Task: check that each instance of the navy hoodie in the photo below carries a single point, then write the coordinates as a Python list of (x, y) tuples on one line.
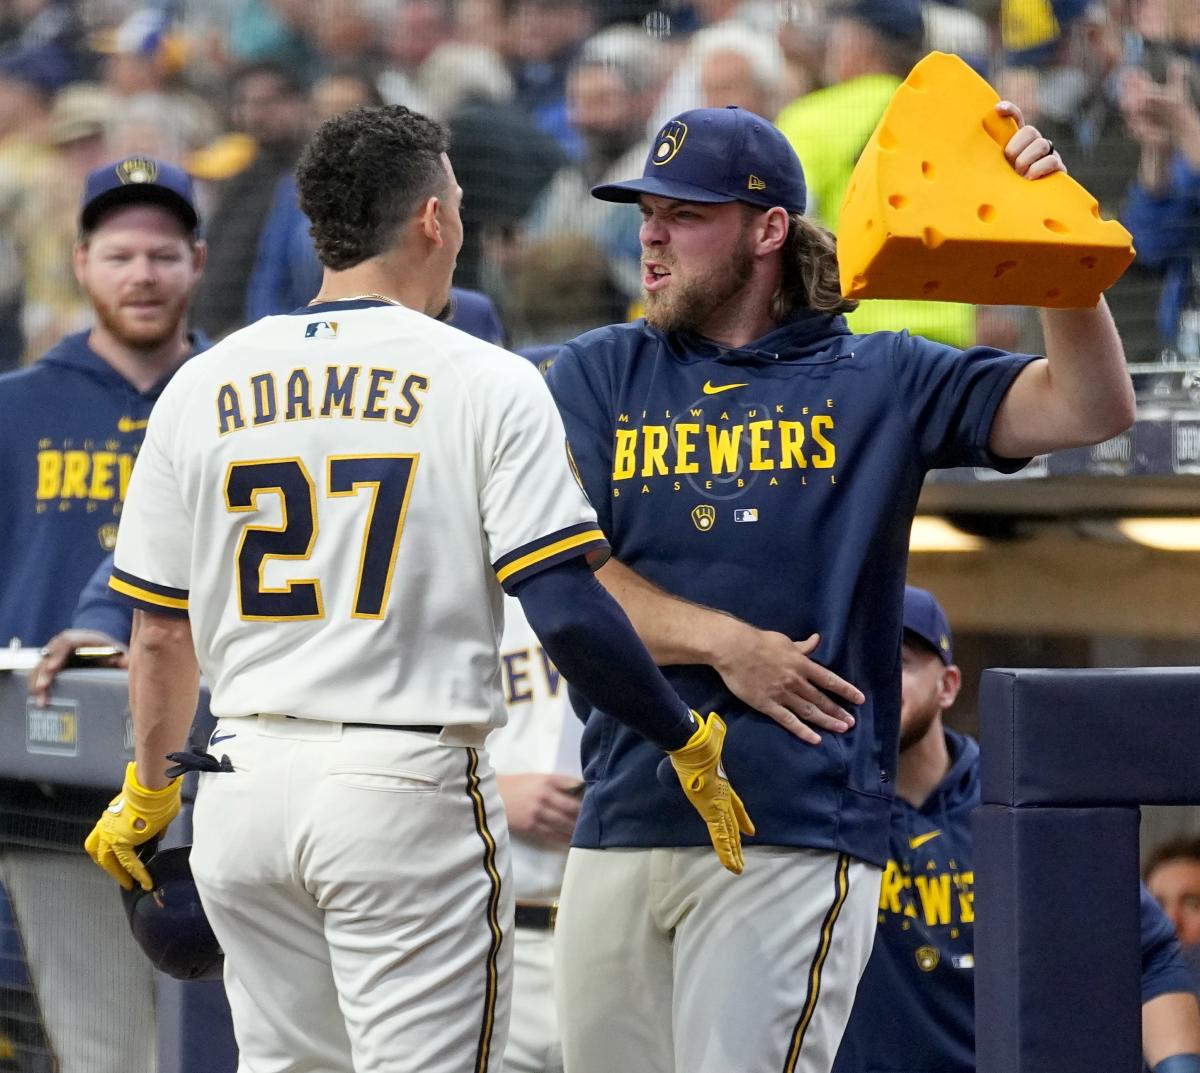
[(777, 482), (70, 429), (915, 1007)]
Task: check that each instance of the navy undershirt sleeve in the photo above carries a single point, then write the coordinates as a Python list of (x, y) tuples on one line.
[(594, 646)]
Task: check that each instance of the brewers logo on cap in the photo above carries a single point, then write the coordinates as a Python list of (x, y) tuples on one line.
[(137, 169), (670, 141)]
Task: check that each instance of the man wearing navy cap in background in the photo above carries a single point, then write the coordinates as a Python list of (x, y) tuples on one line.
[(756, 468), (72, 426), (915, 1007)]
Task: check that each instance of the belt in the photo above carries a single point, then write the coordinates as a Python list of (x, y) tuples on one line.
[(535, 915), (416, 728)]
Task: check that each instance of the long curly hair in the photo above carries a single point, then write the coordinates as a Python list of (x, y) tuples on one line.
[(810, 272)]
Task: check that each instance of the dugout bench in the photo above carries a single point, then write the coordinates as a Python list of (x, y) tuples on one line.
[(59, 766)]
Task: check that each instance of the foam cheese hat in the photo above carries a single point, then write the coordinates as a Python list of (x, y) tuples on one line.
[(934, 210)]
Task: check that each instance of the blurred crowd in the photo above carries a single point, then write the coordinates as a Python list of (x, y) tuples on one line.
[(545, 98)]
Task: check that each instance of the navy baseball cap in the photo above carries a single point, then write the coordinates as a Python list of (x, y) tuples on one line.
[(715, 155), (138, 179), (924, 616), (900, 20)]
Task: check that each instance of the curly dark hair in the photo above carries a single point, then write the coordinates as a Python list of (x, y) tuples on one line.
[(361, 176)]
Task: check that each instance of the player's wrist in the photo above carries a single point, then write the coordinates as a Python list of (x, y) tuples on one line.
[(138, 786)]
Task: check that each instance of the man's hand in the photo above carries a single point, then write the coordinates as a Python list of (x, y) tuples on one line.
[(702, 776), (58, 652), (135, 816), (541, 806), (774, 675), (1028, 151)]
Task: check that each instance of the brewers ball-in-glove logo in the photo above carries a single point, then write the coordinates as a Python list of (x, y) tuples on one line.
[(704, 517), (137, 169), (927, 958), (670, 141)]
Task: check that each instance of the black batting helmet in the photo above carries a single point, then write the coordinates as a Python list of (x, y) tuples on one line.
[(168, 921)]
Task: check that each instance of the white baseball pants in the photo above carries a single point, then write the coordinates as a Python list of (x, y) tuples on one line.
[(358, 881), (667, 963)]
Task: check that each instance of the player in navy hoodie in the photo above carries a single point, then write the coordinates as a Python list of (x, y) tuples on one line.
[(915, 1007), (73, 421)]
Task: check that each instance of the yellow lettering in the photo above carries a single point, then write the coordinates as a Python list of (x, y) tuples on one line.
[(625, 454), (723, 444), (654, 450), (708, 486), (696, 413), (102, 464), (50, 464), (75, 474), (376, 390), (645, 489), (829, 403), (889, 892), (778, 408), (685, 448), (966, 898), (773, 483), (791, 445), (229, 410), (759, 443), (299, 396), (829, 453), (675, 486), (934, 892), (623, 419)]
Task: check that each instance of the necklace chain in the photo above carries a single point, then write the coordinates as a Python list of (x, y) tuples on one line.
[(356, 298)]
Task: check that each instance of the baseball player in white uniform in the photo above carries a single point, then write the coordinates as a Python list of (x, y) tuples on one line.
[(321, 519), (536, 757)]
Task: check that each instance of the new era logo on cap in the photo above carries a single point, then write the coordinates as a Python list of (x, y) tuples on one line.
[(716, 155)]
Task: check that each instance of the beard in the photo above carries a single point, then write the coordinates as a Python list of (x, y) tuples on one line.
[(140, 332), (688, 304), (914, 729)]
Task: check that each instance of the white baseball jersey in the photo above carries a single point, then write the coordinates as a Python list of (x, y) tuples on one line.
[(542, 734), (335, 498)]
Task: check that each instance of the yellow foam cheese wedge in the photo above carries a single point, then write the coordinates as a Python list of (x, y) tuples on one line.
[(934, 210)]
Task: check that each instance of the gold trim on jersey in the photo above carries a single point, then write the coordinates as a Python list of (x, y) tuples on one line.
[(483, 1054), (145, 595), (842, 889), (546, 552)]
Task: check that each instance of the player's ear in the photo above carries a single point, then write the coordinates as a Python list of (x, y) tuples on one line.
[(79, 260), (948, 687), (772, 230), (431, 220), (199, 256)]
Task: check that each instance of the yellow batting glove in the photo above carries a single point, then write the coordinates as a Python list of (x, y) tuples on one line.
[(134, 816), (702, 776)]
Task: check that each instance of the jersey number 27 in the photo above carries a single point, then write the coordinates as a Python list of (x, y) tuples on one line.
[(389, 479)]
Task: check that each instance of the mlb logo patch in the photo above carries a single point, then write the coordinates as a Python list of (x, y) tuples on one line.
[(320, 329), (746, 514)]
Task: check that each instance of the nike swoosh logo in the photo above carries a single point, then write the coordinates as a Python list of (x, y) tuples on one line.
[(710, 389), (920, 840), (116, 807), (128, 424), (216, 739)]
